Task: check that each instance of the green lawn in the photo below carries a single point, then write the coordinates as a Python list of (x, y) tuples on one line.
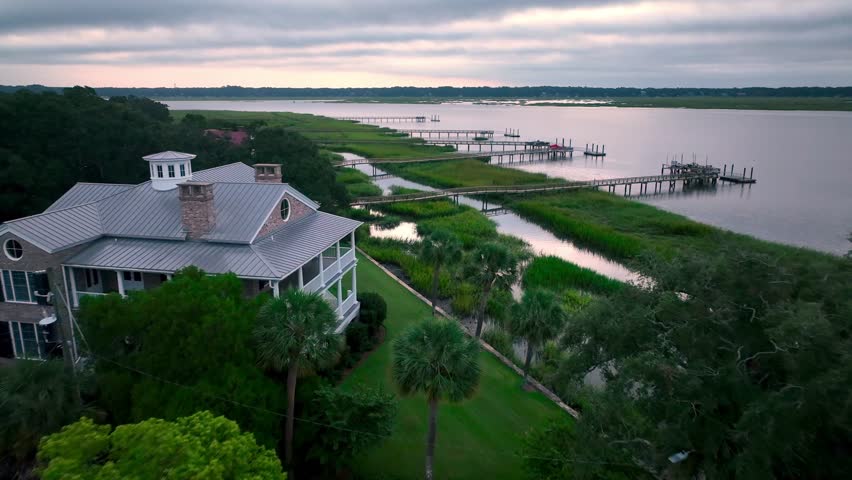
[(479, 438)]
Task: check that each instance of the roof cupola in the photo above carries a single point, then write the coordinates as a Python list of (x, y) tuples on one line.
[(169, 168)]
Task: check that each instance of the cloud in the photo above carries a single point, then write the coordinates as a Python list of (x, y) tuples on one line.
[(297, 43)]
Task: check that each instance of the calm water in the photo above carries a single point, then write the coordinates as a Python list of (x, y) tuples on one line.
[(802, 160)]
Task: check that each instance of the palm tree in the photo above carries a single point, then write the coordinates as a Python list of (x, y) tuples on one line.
[(295, 332), (537, 318), (491, 266), (438, 249), (436, 358)]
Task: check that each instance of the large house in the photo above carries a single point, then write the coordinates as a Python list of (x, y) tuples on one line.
[(103, 238)]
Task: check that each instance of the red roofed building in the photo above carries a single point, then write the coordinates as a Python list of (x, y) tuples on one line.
[(236, 137)]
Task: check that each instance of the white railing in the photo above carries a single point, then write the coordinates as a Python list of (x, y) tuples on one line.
[(347, 304), (314, 285), (80, 294), (347, 257), (331, 270)]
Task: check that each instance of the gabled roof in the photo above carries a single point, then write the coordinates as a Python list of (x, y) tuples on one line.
[(290, 246), (140, 211), (82, 193)]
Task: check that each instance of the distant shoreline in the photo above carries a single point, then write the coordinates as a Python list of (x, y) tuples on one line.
[(838, 104)]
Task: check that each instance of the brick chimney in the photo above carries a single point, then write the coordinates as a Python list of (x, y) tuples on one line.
[(267, 173), (197, 212)]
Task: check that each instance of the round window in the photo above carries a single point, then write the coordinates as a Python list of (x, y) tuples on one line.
[(285, 209), (13, 249)]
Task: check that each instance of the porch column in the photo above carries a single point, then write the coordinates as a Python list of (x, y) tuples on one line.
[(301, 279), (340, 296), (354, 282), (352, 239), (120, 276), (322, 270), (275, 291), (74, 300), (168, 277), (338, 256)]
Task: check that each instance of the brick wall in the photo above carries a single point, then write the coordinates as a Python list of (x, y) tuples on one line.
[(198, 214), (297, 211), (34, 259)]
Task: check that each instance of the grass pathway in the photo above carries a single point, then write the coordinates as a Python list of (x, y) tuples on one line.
[(479, 438)]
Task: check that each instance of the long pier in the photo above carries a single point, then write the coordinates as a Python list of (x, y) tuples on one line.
[(659, 181), (388, 119), (522, 155), (427, 133)]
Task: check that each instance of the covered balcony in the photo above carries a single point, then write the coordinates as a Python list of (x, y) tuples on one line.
[(95, 282), (331, 273)]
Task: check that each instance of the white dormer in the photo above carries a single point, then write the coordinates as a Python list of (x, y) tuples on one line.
[(169, 168)]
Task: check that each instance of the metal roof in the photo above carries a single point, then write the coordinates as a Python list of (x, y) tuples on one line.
[(58, 229), (166, 256), (275, 256), (143, 212), (242, 207), (289, 247), (233, 172), (168, 155), (82, 193)]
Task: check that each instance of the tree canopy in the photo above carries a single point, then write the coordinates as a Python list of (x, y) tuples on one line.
[(738, 365), (183, 347), (38, 398), (195, 447)]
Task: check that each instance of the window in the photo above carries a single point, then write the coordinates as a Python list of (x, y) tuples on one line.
[(92, 277), (285, 209), (133, 276), (19, 286), (13, 249), (182, 169), (171, 171), (26, 340), (159, 171)]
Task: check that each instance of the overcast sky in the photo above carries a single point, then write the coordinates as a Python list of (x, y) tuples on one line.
[(334, 43)]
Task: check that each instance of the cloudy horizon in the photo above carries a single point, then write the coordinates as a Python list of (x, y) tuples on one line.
[(379, 43)]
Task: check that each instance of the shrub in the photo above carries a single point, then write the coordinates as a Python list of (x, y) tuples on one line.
[(499, 306), (464, 300), (374, 310), (501, 340), (358, 338)]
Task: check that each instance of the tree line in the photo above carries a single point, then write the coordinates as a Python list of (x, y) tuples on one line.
[(234, 91), (49, 141)]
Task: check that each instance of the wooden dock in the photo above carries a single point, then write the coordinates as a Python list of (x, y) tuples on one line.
[(537, 154), (628, 182), (595, 150), (389, 119), (427, 133), (736, 178)]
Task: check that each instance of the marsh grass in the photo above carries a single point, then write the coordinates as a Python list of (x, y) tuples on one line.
[(470, 226), (465, 173), (357, 183), (557, 274)]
